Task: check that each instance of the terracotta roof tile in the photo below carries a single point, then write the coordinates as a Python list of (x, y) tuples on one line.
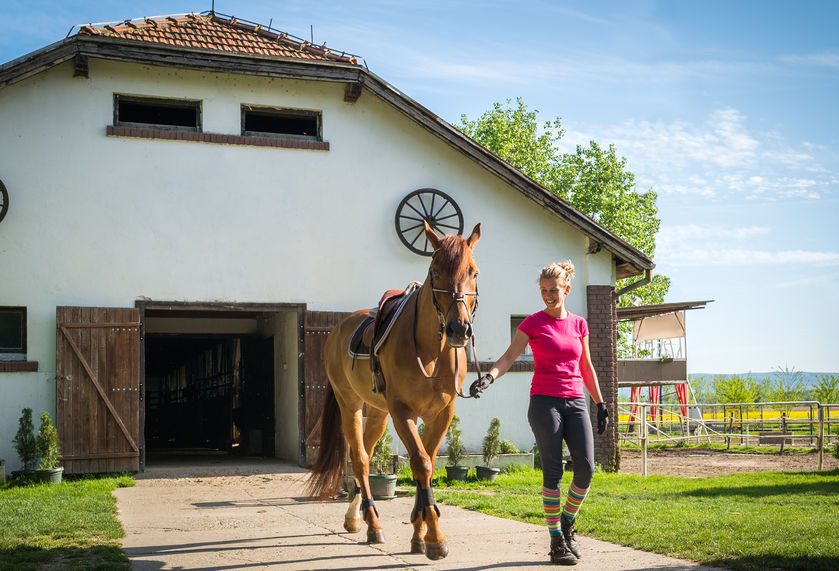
[(213, 32)]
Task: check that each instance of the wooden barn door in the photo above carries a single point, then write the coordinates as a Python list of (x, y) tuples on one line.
[(317, 327), (98, 388)]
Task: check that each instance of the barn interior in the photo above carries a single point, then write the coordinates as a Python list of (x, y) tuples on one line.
[(219, 382)]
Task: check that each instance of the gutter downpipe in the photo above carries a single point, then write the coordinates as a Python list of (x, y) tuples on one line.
[(648, 276)]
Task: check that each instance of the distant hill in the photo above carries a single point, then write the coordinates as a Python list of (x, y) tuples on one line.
[(810, 379)]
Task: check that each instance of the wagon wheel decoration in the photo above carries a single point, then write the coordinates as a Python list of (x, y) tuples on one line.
[(4, 201), (435, 207)]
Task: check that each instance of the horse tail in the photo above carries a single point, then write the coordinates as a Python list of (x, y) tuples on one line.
[(327, 470)]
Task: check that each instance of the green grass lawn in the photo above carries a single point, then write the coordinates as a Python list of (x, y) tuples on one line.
[(768, 520), (72, 525)]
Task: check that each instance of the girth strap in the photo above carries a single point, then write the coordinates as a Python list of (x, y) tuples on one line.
[(424, 499)]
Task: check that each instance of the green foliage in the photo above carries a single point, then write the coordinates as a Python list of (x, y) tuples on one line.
[(735, 388), (593, 179), (69, 526), (826, 389), (453, 439), (739, 521), (49, 447), (24, 441), (381, 462), (507, 447), (492, 441)]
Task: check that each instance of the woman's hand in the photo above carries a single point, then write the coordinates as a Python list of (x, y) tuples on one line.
[(480, 386), (602, 417)]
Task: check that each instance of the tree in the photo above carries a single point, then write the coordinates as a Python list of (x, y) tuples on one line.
[(787, 385), (735, 389), (594, 180), (826, 389)]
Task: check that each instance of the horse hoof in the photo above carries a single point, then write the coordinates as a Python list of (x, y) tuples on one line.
[(352, 525), (435, 551), (417, 547), (375, 536)]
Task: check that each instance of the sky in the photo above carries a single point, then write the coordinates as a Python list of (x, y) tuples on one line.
[(728, 110)]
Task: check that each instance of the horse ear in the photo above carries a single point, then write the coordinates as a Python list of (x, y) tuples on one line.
[(432, 238), (476, 235)]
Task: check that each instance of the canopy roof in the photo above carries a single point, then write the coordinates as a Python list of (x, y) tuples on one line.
[(637, 312)]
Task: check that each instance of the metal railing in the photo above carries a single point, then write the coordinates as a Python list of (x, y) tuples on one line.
[(771, 423)]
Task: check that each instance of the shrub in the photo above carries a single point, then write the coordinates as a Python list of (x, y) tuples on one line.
[(453, 439), (24, 440), (381, 462), (49, 447), (492, 443), (507, 447)]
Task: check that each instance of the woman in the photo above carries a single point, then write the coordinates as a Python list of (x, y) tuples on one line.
[(557, 412)]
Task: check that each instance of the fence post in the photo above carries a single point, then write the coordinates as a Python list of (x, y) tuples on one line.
[(644, 433), (821, 437), (783, 430)]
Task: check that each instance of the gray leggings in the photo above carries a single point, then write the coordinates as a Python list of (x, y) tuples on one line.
[(554, 419)]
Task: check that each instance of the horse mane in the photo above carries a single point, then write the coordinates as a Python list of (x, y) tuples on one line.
[(453, 256)]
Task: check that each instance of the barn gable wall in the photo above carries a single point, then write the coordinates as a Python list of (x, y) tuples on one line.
[(99, 220)]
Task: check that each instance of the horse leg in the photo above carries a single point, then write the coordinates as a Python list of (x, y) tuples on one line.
[(432, 544), (373, 431), (429, 513), (352, 519)]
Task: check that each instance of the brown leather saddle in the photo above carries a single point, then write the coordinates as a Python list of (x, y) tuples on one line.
[(371, 333)]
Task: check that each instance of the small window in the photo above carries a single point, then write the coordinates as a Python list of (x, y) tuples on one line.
[(174, 114), (12, 333), (515, 321), (286, 123)]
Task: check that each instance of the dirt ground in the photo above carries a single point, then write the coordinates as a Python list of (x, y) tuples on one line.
[(693, 463)]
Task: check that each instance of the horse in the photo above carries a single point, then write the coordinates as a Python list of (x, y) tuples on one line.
[(423, 360)]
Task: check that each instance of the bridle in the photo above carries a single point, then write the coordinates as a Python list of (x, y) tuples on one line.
[(458, 297)]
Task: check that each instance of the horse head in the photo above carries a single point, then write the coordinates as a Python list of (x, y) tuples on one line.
[(453, 277)]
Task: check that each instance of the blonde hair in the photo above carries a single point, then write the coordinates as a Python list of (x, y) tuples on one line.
[(562, 271)]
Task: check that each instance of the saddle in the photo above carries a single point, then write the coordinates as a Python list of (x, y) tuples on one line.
[(371, 333)]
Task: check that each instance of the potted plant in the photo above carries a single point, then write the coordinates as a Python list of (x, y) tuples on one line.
[(454, 470), (49, 447), (382, 479), (491, 449), (24, 441)]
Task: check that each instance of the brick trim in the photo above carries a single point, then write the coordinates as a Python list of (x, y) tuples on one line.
[(516, 367), (216, 138), (18, 366), (602, 324)]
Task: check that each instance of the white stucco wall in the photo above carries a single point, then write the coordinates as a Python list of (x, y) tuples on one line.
[(97, 220)]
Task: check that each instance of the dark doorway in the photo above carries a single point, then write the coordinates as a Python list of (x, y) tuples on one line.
[(212, 393)]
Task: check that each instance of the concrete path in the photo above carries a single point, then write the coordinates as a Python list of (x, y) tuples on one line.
[(252, 516)]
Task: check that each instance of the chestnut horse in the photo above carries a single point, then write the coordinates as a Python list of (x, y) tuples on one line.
[(423, 360)]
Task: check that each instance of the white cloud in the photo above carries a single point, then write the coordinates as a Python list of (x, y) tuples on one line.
[(825, 59), (738, 257), (719, 158)]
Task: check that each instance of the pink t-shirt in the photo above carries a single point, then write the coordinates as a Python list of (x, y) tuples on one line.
[(557, 346)]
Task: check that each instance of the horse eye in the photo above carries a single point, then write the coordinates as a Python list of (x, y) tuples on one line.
[(435, 274)]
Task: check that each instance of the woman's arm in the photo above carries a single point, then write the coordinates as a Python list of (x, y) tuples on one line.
[(588, 373), (503, 364)]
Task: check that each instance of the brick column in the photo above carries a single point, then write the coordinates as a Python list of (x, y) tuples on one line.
[(602, 324)]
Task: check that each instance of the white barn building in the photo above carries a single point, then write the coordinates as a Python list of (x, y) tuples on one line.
[(188, 204)]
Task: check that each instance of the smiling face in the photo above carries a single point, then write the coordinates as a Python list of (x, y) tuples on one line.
[(554, 291)]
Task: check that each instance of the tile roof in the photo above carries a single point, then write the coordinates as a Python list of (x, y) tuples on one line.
[(213, 31)]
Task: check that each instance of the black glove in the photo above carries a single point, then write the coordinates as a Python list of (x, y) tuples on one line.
[(480, 386), (602, 417)]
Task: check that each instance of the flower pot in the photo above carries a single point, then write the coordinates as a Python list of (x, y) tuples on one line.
[(487, 473), (49, 476), (383, 486), (457, 472)]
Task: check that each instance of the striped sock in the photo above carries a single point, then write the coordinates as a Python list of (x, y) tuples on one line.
[(574, 501), (552, 502)]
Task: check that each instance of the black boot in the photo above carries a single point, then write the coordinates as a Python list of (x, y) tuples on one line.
[(560, 554), (570, 533)]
